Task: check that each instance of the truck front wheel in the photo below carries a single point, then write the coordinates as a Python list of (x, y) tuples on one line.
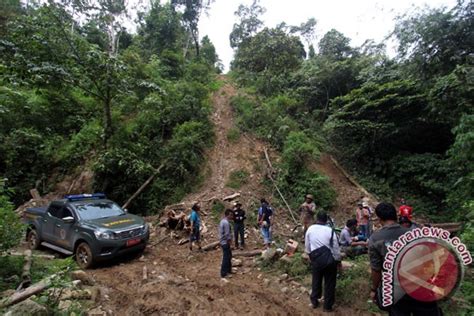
[(33, 239), (84, 256)]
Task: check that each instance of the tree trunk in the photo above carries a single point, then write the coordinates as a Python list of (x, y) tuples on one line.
[(108, 130), (23, 295)]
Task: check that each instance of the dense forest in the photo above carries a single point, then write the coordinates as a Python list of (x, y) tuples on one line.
[(404, 126), (90, 95)]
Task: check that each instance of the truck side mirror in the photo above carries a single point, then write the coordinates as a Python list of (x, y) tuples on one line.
[(68, 219)]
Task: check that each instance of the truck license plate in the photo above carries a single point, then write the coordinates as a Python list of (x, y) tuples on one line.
[(133, 242)]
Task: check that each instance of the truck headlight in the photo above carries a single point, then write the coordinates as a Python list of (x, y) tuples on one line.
[(105, 235), (145, 228)]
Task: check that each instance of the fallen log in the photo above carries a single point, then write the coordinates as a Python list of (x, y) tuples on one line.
[(144, 185), (211, 246), (145, 274), (231, 197), (251, 253), (21, 254), (183, 241), (30, 291), (26, 274), (450, 227)]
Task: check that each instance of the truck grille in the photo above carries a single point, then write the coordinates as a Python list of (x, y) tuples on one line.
[(130, 233)]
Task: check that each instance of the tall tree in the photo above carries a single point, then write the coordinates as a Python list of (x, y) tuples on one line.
[(192, 10), (249, 23), (335, 45)]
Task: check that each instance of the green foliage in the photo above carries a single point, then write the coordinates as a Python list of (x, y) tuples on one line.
[(11, 229), (298, 151), (11, 266), (354, 280), (297, 268), (233, 135), (217, 210), (237, 179)]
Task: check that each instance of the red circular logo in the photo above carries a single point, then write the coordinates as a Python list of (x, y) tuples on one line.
[(428, 270)]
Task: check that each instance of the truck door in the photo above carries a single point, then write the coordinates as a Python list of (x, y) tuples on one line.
[(49, 221), (63, 231)]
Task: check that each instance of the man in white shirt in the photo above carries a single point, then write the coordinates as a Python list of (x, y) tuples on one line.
[(323, 248)]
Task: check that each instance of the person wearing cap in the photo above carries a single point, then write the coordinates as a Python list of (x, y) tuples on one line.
[(405, 210), (307, 211), (195, 220), (239, 227)]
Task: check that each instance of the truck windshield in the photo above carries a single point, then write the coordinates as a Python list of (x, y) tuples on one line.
[(95, 210)]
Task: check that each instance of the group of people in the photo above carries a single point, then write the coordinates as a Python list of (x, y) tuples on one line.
[(237, 216), (322, 244)]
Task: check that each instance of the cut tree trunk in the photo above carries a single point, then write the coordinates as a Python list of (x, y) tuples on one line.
[(144, 185), (251, 253), (32, 290), (231, 197), (211, 246), (26, 275)]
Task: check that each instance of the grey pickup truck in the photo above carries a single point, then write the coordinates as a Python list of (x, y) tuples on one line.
[(89, 226)]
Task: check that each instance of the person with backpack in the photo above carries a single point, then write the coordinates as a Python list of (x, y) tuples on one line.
[(265, 214), (323, 248)]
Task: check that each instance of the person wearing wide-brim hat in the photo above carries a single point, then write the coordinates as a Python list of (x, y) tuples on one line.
[(239, 226), (307, 211)]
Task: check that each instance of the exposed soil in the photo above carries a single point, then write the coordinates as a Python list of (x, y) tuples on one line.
[(184, 282)]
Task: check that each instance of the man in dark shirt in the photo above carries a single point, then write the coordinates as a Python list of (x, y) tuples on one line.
[(239, 227), (378, 243)]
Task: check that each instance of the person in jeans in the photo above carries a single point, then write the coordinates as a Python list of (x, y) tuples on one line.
[(320, 239), (195, 220), (265, 214), (239, 227), (362, 216), (225, 238)]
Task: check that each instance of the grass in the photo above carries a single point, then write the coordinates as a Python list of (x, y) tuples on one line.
[(217, 210), (233, 135), (237, 179)]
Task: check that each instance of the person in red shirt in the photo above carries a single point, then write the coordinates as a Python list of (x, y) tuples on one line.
[(405, 210)]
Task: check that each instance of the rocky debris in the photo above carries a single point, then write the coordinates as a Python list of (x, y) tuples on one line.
[(286, 258), (236, 262), (283, 277), (266, 282), (64, 305), (27, 307), (77, 283), (346, 265), (291, 247), (269, 254), (68, 294), (284, 290), (98, 311), (83, 276)]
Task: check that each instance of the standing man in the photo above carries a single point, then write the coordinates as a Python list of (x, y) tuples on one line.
[(265, 214), (323, 248), (307, 211), (378, 243), (195, 220), (225, 238), (239, 227), (362, 216)]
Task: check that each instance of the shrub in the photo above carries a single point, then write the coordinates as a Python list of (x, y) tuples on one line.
[(237, 179), (233, 135)]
